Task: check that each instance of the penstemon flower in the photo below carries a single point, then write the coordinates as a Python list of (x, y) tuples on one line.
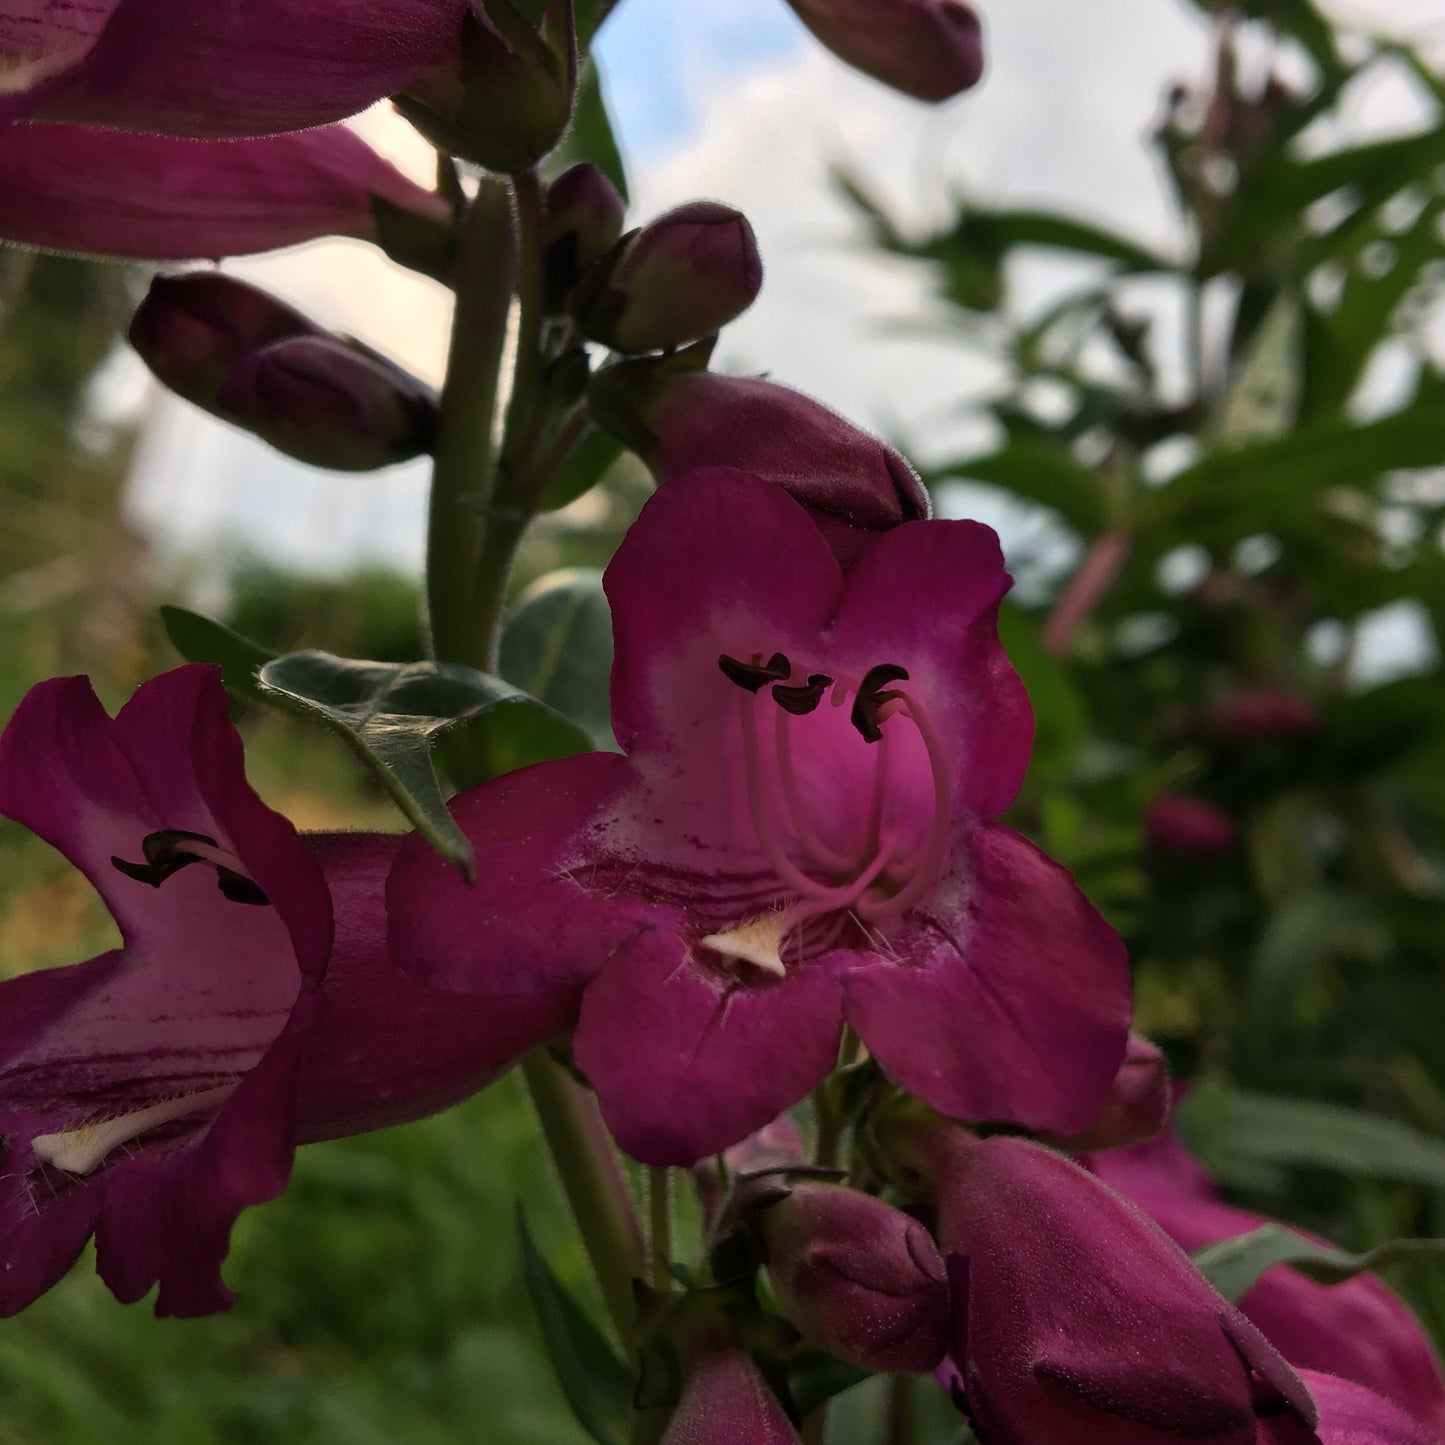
[(800, 834), (151, 1094)]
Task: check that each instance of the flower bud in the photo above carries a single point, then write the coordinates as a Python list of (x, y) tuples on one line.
[(857, 1277), (726, 1401), (679, 418), (685, 276), (1138, 1104), (321, 401), (929, 49), (510, 101), (582, 222), (1187, 827), (1080, 1320), (1349, 1415), (1261, 714), (193, 329)]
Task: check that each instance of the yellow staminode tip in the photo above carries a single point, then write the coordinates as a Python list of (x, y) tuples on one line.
[(757, 941)]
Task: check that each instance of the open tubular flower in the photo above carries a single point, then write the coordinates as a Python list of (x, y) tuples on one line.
[(149, 1095), (800, 832)]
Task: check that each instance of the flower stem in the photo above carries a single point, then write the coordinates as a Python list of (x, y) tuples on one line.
[(1085, 590), (462, 627), (659, 1183), (596, 1190)]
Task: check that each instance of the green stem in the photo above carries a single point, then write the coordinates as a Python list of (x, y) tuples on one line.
[(900, 1424), (462, 624), (596, 1190), (815, 1427), (526, 411), (659, 1183)]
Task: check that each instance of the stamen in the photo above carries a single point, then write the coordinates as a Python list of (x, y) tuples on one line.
[(84, 1149), (168, 850), (755, 675), (871, 698), (804, 698)]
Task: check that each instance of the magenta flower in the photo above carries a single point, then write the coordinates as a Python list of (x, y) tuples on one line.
[(1138, 1104), (216, 67), (107, 193), (726, 1401), (1180, 825), (929, 49), (1350, 1414), (1077, 1319), (800, 833), (1359, 1329), (149, 1095)]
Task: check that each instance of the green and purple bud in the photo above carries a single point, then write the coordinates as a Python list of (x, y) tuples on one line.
[(582, 221), (685, 276), (855, 1276), (929, 49), (1183, 826), (510, 100)]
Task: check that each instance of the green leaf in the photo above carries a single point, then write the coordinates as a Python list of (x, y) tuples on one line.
[(1042, 228), (1037, 472), (199, 639), (586, 464), (590, 137), (391, 714), (557, 646), (1234, 1132), (597, 1385), (815, 1377), (1263, 401), (1233, 1265)]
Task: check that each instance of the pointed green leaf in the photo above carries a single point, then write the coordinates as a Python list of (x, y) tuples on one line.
[(391, 714), (1264, 399), (815, 1377), (587, 463), (597, 1385), (1037, 472), (1233, 1265), (557, 646), (199, 639)]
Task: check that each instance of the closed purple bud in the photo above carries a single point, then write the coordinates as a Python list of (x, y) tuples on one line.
[(581, 224), (1081, 1320), (679, 419), (689, 273), (726, 1401), (1262, 713), (319, 400), (857, 1277), (1138, 1104), (929, 49), (193, 329), (1184, 826), (509, 102), (1349, 1415)]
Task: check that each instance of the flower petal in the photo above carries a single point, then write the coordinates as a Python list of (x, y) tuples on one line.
[(685, 1065), (215, 68), (1010, 996), (110, 193)]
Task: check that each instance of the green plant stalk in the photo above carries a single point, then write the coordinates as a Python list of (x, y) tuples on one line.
[(596, 1190), (462, 624), (659, 1186)]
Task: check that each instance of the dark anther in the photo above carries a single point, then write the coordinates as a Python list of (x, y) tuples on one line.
[(165, 853), (240, 889), (755, 675), (871, 697), (803, 699)]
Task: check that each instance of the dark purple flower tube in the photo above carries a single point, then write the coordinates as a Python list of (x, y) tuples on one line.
[(1081, 1319), (1359, 1329), (151, 1094), (1350, 1414), (582, 221), (1138, 1104), (1182, 826), (726, 1401), (145, 197), (217, 68), (857, 1277), (683, 277), (678, 418), (929, 49), (324, 402)]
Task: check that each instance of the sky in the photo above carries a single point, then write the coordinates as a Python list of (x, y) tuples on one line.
[(731, 99)]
